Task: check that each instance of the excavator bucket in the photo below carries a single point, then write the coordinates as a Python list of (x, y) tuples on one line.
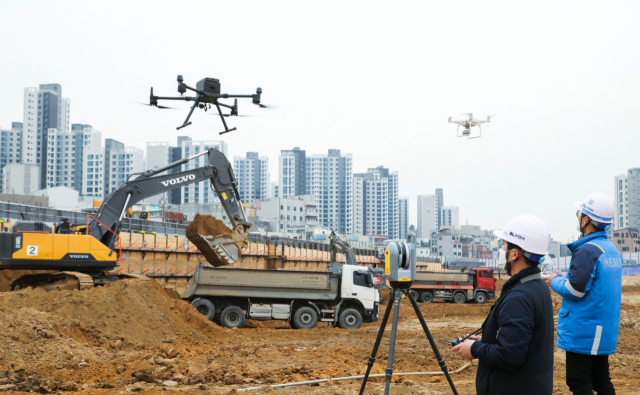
[(220, 245)]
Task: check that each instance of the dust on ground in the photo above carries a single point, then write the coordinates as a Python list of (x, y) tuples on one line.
[(133, 335)]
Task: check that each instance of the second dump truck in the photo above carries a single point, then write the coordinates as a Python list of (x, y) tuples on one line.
[(345, 296), (470, 284)]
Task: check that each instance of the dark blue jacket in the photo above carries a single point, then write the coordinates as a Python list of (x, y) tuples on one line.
[(516, 350)]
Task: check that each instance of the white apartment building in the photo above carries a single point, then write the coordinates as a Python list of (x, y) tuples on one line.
[(627, 200), (329, 178), (375, 209), (427, 215), (451, 217), (292, 174), (122, 163), (403, 208), (10, 147), (52, 113), (621, 202), (252, 173), (158, 155), (199, 192), (20, 178), (68, 162), (30, 126), (275, 190)]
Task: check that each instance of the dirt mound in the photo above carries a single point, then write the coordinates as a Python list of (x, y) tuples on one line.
[(102, 335), (131, 311)]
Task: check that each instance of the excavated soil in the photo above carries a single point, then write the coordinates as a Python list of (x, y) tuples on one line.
[(133, 335), (207, 225)]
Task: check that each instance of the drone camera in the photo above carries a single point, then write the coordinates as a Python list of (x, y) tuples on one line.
[(400, 262)]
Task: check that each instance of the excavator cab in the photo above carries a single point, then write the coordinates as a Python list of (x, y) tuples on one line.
[(140, 215)]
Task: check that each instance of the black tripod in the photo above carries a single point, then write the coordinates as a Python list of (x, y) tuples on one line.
[(397, 293)]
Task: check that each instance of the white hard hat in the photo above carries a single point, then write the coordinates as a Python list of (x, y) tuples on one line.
[(527, 232), (598, 207)]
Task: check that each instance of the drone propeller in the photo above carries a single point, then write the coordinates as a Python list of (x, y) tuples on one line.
[(160, 107)]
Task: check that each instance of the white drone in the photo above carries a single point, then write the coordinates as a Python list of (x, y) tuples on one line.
[(468, 121)]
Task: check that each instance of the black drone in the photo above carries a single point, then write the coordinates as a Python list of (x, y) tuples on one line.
[(207, 93)]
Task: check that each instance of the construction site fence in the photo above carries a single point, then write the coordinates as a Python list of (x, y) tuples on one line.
[(16, 212)]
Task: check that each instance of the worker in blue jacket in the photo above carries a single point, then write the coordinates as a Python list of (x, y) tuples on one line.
[(591, 293)]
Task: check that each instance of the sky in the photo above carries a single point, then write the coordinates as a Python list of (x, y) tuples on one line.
[(376, 79)]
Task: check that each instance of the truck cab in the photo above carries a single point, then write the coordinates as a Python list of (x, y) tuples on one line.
[(358, 285), (484, 280)]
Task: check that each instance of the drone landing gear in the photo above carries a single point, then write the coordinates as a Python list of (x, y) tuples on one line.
[(186, 121), (183, 126), (395, 304), (226, 128)]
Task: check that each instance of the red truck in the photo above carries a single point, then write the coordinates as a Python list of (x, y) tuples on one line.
[(469, 284)]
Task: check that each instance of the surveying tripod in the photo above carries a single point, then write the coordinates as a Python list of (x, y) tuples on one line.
[(396, 292)]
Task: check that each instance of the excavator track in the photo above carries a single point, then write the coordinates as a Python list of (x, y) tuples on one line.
[(54, 281)]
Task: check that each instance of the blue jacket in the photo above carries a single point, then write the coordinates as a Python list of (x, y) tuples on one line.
[(591, 293)]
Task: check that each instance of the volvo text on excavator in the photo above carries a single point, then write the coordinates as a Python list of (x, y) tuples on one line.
[(86, 259)]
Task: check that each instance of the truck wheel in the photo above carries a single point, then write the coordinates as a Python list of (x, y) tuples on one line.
[(204, 307), (480, 298), (305, 318), (459, 298), (292, 324), (426, 297), (232, 317), (350, 319), (415, 295)]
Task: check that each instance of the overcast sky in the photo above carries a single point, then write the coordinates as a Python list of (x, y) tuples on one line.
[(376, 79)]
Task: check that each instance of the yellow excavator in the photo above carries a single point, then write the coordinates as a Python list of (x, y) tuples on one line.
[(84, 257)]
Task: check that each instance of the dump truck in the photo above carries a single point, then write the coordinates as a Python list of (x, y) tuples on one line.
[(470, 284), (344, 296)]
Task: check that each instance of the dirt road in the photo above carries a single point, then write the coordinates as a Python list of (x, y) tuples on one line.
[(133, 335)]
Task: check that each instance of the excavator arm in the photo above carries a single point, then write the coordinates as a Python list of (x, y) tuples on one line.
[(339, 245), (150, 183)]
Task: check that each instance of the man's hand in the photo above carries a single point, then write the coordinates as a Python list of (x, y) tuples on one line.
[(547, 279), (558, 273), (464, 349)]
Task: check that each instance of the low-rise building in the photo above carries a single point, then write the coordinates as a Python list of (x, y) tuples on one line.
[(290, 214), (626, 240)]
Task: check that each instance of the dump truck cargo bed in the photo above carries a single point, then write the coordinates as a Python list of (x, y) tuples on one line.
[(251, 283), (444, 277)]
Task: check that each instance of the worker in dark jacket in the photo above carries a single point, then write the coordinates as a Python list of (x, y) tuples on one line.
[(515, 351)]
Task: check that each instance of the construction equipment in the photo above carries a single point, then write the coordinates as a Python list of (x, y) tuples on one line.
[(84, 259), (470, 284), (345, 296)]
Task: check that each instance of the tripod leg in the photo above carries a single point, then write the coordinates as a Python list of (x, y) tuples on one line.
[(441, 361), (392, 341), (372, 358)]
